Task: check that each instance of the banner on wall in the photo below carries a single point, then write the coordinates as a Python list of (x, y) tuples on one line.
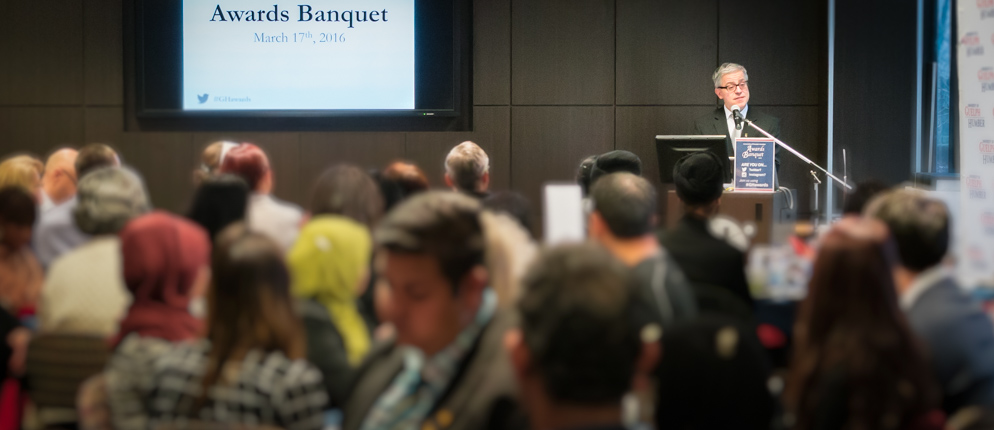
[(975, 56)]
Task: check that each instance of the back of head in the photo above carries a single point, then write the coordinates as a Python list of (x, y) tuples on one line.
[(108, 198), (249, 303), (162, 255), (626, 203), (249, 162), (576, 321), (442, 224), (698, 178), (211, 158), (348, 191), (408, 176), (615, 162), (94, 156), (17, 207), (918, 223), (22, 171), (220, 201), (856, 201), (466, 164), (329, 258), (850, 322)]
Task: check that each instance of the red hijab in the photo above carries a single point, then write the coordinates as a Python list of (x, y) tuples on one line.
[(162, 255)]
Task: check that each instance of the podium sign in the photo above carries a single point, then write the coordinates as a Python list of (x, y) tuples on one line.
[(754, 165)]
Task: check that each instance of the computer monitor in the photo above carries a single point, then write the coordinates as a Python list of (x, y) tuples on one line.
[(669, 149)]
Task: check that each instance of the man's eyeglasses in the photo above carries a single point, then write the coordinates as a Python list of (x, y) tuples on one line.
[(732, 87)]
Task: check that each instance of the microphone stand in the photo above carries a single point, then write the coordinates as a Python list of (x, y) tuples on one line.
[(797, 154)]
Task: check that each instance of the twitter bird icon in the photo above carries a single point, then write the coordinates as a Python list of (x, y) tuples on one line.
[(202, 98)]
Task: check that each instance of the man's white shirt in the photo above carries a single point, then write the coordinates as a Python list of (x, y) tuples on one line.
[(732, 132)]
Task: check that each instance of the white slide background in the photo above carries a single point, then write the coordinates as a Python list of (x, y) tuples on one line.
[(372, 68)]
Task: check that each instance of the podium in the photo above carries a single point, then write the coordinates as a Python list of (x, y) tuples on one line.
[(769, 216)]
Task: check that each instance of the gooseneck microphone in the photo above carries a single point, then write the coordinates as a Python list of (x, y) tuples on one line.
[(737, 115)]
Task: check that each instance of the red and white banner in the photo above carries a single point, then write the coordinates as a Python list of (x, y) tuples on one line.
[(975, 54)]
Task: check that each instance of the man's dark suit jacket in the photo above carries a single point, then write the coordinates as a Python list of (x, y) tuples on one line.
[(716, 123), (960, 341), (483, 395), (709, 263)]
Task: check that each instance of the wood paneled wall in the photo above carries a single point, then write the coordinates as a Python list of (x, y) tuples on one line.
[(554, 81)]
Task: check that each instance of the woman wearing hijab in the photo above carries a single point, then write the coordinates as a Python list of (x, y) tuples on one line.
[(330, 266), (165, 261)]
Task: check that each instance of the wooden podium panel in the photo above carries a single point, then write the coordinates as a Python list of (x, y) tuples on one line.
[(771, 216)]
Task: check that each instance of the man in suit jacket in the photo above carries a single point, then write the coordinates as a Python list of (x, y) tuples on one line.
[(958, 334), (446, 369), (731, 85), (715, 269)]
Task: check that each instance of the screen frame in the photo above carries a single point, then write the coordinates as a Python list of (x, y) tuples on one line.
[(141, 116)]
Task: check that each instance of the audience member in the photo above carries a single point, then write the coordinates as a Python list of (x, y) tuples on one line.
[(84, 291), (58, 183), (220, 201), (21, 276), (249, 370), (855, 202), (57, 232), (22, 171), (712, 265), (509, 250), (957, 333), (467, 169), (446, 368), (407, 178), (329, 265), (856, 363), (622, 219), (713, 375), (348, 191), (579, 347), (211, 159), (266, 214), (513, 204), (328, 277), (165, 263)]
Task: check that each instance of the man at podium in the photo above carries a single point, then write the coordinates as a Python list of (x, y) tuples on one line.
[(731, 85)]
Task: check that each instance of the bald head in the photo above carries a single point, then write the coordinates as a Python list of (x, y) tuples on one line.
[(59, 179)]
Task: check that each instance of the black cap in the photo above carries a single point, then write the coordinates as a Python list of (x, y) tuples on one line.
[(699, 178), (614, 162)]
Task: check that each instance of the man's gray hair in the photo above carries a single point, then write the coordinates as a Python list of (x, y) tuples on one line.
[(108, 198), (466, 164), (725, 69)]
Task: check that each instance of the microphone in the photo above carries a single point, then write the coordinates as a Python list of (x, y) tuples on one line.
[(737, 116)]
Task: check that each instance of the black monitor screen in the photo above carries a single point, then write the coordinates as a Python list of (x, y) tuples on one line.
[(669, 149)]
